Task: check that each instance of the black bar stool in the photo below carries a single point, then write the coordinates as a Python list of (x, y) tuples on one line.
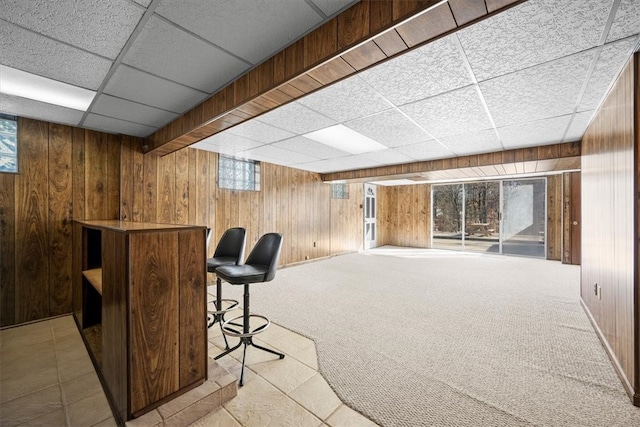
[(260, 267), (230, 251)]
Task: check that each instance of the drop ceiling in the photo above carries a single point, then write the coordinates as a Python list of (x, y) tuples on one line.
[(532, 75)]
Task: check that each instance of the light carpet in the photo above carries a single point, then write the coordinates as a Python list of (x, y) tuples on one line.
[(430, 337)]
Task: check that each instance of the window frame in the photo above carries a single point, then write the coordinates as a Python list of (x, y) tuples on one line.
[(7, 117), (240, 169)]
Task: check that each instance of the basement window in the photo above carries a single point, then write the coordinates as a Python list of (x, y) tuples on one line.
[(8, 144), (238, 174), (339, 191)]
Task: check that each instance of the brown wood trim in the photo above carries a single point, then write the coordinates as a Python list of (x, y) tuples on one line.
[(535, 159), (326, 55)]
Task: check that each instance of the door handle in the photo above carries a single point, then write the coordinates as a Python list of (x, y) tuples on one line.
[(575, 222)]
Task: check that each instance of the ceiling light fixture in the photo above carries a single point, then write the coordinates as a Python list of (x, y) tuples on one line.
[(26, 85), (345, 139)]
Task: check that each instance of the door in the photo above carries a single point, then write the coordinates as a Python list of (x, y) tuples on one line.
[(572, 228), (447, 221), (370, 229), (523, 227)]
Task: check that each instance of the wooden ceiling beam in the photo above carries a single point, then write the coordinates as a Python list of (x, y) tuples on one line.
[(364, 35)]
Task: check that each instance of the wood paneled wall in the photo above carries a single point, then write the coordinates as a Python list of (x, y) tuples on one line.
[(554, 217), (65, 173), (610, 224)]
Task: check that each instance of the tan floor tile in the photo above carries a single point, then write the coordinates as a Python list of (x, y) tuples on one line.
[(219, 418), (308, 356), (19, 337), (149, 419), (55, 418), (317, 396), (347, 417), (257, 396), (288, 343), (194, 412), (286, 374), (63, 323), (28, 354), (190, 398), (74, 364), (81, 387), (109, 422), (64, 342), (24, 382), (89, 411), (31, 406)]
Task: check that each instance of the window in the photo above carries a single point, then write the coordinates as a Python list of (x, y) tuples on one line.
[(237, 174), (8, 144), (339, 191)]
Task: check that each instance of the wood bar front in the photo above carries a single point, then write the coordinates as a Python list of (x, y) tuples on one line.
[(141, 308)]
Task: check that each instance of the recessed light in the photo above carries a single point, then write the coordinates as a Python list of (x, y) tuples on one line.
[(345, 139), (26, 85)]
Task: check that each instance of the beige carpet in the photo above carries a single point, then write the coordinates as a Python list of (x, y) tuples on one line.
[(429, 337)]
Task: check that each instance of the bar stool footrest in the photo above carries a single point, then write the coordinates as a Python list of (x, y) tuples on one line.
[(232, 306), (227, 328)]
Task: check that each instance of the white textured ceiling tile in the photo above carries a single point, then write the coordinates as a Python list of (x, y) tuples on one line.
[(260, 132), (540, 132), (578, 126), (39, 55), (354, 162), (227, 143), (389, 156), (612, 58), (107, 105), (533, 32), (390, 128), (303, 145), (109, 124), (278, 155), (320, 166), (547, 90), (101, 27), (253, 30), (627, 20), (296, 118), (427, 71), (484, 141), (428, 150), (138, 86), (346, 100), (453, 113), (170, 52), (15, 105), (144, 3), (331, 7)]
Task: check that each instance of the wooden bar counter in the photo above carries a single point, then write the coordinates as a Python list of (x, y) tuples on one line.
[(139, 302)]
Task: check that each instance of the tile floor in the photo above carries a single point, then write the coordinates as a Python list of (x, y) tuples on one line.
[(46, 378)]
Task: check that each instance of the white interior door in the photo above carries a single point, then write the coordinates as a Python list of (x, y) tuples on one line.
[(370, 228)]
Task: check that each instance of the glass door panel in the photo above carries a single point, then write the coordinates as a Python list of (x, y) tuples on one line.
[(447, 216), (524, 217), (482, 217)]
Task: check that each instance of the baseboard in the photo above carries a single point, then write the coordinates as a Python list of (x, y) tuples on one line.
[(633, 396)]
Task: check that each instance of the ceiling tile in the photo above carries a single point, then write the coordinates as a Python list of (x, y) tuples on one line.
[(611, 60), (427, 71), (144, 3), (428, 150), (107, 105), (387, 157), (101, 27), (348, 163), (346, 100), (331, 7), (578, 126), (109, 124), (296, 118), (484, 141), (533, 32), (626, 22), (167, 51), (252, 30), (390, 128), (320, 166), (260, 132), (303, 145), (226, 143), (27, 51), (135, 85), (15, 105), (547, 90), (539, 132), (277, 155), (454, 113)]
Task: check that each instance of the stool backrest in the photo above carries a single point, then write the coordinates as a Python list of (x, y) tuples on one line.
[(232, 244), (266, 253)]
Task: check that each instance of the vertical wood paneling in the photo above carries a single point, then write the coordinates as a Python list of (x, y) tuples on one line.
[(32, 261), (138, 181), (182, 186), (113, 177), (203, 187), (572, 219), (126, 179), (150, 196), (167, 189), (60, 227), (7, 249), (608, 213), (96, 180), (554, 217)]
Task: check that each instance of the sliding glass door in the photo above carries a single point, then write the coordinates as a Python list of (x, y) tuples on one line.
[(506, 217)]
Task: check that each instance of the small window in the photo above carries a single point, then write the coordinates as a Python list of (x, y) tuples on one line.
[(339, 191), (8, 144), (238, 174)]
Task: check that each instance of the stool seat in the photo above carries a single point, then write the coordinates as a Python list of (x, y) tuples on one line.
[(215, 262), (243, 274)]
